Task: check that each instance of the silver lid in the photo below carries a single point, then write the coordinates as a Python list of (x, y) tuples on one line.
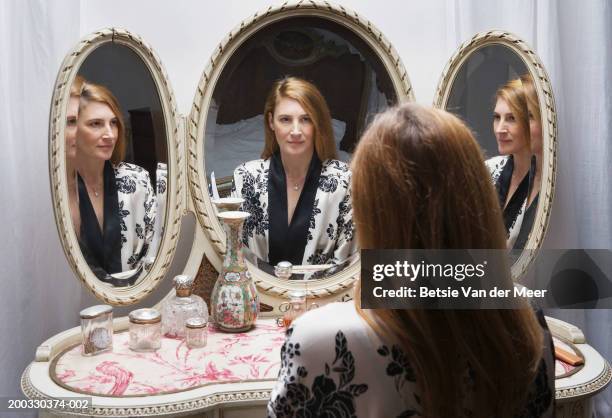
[(297, 294), (95, 311), (196, 322), (183, 284), (228, 203), (283, 269), (145, 316)]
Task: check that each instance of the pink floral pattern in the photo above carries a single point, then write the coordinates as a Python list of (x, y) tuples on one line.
[(254, 355)]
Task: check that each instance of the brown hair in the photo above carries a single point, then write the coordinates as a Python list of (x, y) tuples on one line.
[(419, 181), (514, 95), (313, 102), (95, 93), (77, 86), (531, 96)]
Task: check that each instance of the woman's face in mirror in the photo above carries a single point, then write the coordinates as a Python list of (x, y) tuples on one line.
[(293, 128), (98, 131), (508, 131), (71, 126)]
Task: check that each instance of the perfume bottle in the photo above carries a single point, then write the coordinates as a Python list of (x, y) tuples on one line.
[(180, 307)]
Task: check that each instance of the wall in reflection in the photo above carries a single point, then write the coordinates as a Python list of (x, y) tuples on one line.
[(347, 72)]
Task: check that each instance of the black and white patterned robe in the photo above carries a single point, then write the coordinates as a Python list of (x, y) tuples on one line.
[(129, 218), (501, 168), (328, 236), (334, 365)]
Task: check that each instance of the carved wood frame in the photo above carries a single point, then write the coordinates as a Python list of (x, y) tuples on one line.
[(549, 127), (57, 167), (196, 125)]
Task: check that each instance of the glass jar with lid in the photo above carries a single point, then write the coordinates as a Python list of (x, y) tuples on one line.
[(145, 330), (196, 332), (97, 329)]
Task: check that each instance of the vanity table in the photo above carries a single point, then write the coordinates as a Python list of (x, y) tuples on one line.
[(234, 374), (231, 377)]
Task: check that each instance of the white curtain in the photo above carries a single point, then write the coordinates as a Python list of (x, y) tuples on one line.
[(39, 295)]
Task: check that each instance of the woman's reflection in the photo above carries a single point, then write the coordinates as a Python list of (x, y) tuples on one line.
[(298, 194), (535, 134), (116, 201), (516, 172), (70, 132)]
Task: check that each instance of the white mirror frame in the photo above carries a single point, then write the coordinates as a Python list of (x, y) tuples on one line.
[(196, 171), (57, 167), (549, 127)]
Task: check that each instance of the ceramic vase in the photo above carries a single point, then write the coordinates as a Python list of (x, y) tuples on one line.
[(234, 300)]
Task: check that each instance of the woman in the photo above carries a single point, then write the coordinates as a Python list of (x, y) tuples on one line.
[(419, 182), (510, 170), (70, 134), (116, 200), (535, 174), (298, 194)]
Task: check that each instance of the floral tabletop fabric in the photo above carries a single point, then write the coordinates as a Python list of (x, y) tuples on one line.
[(254, 355)]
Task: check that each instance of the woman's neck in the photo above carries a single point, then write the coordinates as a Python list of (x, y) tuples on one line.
[(296, 167), (522, 163), (91, 170), (70, 170)]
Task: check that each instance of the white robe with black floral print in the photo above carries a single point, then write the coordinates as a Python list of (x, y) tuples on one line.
[(496, 166), (137, 211), (334, 365), (331, 238)]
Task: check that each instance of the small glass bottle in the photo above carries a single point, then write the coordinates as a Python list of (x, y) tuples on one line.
[(180, 307), (97, 329), (195, 329), (145, 330), (294, 308)]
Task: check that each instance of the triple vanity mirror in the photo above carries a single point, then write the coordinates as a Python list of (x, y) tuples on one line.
[(125, 166)]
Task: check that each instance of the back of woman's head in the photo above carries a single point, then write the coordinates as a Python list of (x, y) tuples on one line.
[(531, 96), (420, 182), (77, 86), (96, 93)]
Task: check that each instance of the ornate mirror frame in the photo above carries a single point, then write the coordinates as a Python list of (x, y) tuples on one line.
[(196, 171), (549, 126), (57, 167)]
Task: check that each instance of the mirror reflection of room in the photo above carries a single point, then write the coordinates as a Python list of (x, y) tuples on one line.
[(298, 193), (116, 161), (355, 86)]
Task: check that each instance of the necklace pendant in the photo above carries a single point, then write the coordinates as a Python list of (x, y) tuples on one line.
[(296, 187), (96, 193)]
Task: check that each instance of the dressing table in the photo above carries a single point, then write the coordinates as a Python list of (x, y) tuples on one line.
[(235, 373)]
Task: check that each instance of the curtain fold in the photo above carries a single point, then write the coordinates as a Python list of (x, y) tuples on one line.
[(38, 293)]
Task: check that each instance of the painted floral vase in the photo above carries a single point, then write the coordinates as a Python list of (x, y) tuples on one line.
[(234, 300)]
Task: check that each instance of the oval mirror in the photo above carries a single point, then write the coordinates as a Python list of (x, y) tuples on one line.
[(499, 87), (357, 73), (113, 164)]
